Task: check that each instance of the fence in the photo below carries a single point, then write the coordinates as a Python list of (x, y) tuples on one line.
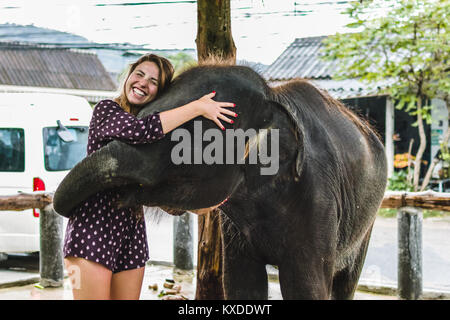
[(409, 207), (409, 217), (51, 266)]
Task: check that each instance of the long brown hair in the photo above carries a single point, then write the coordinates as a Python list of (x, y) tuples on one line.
[(165, 77)]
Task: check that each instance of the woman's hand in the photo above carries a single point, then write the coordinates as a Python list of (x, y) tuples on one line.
[(205, 106), (214, 110)]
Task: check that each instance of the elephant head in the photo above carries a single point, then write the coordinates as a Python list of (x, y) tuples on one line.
[(181, 171)]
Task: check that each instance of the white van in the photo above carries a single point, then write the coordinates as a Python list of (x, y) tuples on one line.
[(42, 136)]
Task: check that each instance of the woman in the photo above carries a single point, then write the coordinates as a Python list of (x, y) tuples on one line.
[(105, 247)]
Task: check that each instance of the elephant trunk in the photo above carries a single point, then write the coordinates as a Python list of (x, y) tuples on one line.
[(115, 165)]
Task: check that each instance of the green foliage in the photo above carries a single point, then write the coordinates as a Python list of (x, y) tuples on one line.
[(401, 43), (445, 156), (399, 181), (445, 152), (181, 61)]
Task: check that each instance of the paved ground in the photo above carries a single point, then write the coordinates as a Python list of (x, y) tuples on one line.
[(155, 274), (381, 261), (379, 273)]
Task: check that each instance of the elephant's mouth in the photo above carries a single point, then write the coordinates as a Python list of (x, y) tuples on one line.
[(179, 212), (173, 211)]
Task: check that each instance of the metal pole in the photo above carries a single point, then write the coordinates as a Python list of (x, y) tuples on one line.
[(51, 265), (183, 243), (409, 253)]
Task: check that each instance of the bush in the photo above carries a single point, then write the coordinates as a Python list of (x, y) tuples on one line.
[(399, 181)]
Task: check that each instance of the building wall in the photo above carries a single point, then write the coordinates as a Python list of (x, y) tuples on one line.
[(439, 125), (373, 109)]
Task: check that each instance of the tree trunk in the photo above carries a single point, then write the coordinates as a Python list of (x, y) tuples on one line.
[(209, 265), (214, 36), (422, 144), (409, 177), (214, 39)]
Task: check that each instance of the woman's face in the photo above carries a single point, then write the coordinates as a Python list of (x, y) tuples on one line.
[(142, 84)]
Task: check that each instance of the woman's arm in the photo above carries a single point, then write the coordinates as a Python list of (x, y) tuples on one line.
[(111, 122), (204, 106)]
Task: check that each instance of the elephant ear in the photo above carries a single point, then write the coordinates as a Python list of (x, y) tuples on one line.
[(289, 108)]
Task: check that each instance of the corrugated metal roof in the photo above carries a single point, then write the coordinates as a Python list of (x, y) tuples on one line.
[(349, 88), (301, 59), (47, 66), (342, 89)]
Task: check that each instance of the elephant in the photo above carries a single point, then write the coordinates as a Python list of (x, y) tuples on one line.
[(311, 214)]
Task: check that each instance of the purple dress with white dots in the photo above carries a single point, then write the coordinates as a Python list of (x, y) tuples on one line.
[(98, 230)]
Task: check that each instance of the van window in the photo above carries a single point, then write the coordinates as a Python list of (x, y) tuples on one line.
[(12, 150), (60, 155)]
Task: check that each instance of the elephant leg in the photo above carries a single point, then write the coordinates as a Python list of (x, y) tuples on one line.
[(244, 277), (306, 277), (345, 281)]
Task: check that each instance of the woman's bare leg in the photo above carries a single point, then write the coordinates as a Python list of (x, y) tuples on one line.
[(126, 285), (90, 280)]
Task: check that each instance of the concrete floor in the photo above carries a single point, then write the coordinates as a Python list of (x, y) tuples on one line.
[(154, 274), (380, 269)]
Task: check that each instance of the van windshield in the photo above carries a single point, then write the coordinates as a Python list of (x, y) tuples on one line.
[(60, 155), (12, 154)]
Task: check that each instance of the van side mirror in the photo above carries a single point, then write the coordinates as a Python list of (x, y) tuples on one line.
[(64, 133)]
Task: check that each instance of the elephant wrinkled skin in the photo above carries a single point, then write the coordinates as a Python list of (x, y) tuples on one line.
[(312, 219)]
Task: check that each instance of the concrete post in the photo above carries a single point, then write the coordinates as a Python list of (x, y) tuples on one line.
[(409, 253), (51, 265), (183, 243)]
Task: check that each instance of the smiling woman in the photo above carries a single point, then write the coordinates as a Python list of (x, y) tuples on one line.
[(146, 79), (106, 243), (142, 84)]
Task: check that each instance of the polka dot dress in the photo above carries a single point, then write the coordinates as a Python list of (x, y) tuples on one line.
[(98, 230)]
